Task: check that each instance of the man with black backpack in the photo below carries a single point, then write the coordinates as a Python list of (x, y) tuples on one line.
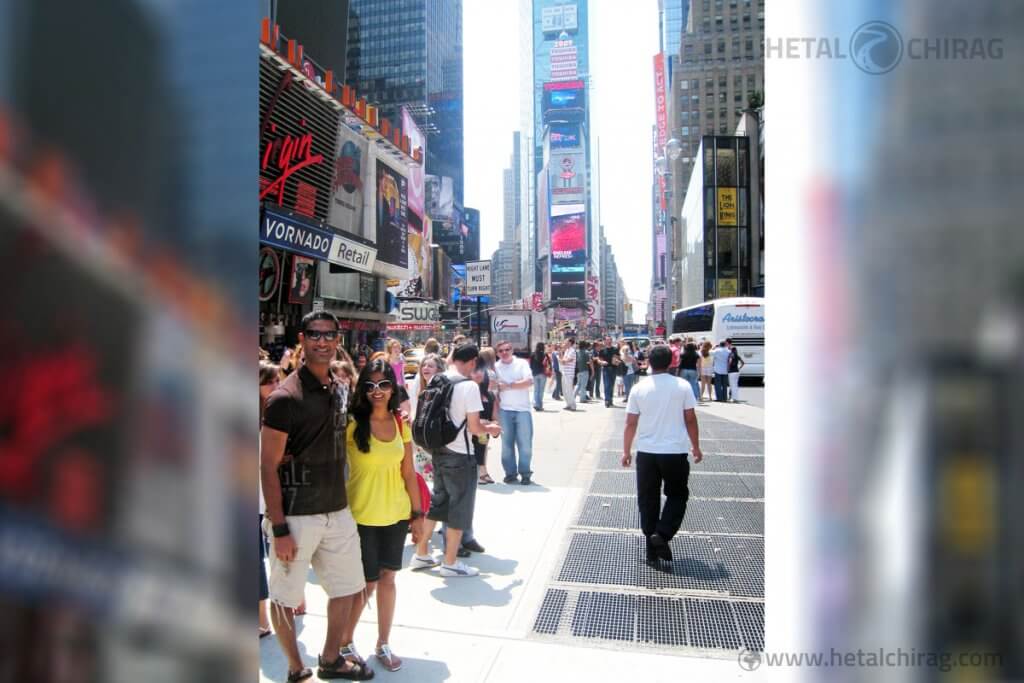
[(448, 413)]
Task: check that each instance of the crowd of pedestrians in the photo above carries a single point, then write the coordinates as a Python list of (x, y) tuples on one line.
[(584, 371), (354, 459)]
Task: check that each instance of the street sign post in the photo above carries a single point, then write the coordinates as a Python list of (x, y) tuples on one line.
[(478, 283)]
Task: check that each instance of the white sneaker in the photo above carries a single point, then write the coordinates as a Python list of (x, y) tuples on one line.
[(458, 569), (422, 562)]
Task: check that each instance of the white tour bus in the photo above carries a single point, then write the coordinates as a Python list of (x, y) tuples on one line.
[(740, 319)]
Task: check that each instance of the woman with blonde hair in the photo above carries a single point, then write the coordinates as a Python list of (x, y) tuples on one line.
[(707, 369), (396, 360), (432, 364)]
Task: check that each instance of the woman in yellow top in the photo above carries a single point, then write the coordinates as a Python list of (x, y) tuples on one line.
[(382, 495)]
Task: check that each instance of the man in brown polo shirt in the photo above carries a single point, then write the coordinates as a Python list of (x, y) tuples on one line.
[(302, 467)]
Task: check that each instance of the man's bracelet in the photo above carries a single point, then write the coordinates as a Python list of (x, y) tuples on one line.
[(281, 530)]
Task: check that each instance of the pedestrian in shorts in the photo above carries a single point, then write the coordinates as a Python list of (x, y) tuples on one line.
[(302, 469)]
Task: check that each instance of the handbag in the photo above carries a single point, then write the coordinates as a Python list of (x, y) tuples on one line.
[(420, 481)]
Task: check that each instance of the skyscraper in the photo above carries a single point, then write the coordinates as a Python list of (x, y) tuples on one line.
[(557, 154), (399, 53), (671, 22)]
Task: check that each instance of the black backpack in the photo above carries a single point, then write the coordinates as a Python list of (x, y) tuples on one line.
[(433, 429)]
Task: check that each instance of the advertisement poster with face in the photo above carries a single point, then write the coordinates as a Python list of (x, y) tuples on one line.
[(345, 210), (392, 208), (440, 197), (301, 288)]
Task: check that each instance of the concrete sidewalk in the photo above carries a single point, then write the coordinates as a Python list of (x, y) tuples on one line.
[(479, 629)]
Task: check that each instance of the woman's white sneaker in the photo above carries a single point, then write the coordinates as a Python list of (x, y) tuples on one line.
[(458, 569)]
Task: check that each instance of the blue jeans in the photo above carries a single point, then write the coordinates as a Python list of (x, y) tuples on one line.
[(516, 433), (721, 386), (538, 391), (609, 384), (627, 382), (691, 377), (582, 380)]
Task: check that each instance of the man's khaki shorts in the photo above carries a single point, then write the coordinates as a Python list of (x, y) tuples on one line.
[(330, 543)]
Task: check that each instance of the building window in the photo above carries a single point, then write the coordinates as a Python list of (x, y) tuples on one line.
[(719, 24), (684, 84), (710, 113), (738, 97), (709, 84), (685, 116), (694, 100), (695, 84), (751, 82), (695, 115), (749, 46), (686, 130), (707, 48), (706, 25), (723, 80), (721, 47), (721, 97)]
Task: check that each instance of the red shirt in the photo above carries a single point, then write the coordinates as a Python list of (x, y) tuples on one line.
[(676, 352)]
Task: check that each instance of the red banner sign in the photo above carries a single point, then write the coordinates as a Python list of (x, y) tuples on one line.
[(661, 111)]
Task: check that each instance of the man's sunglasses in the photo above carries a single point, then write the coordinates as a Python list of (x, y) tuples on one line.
[(316, 335), (383, 385)]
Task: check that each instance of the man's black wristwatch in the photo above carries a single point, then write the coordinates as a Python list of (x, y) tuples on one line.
[(418, 514), (281, 530)]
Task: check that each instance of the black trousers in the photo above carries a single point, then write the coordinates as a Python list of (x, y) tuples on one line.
[(652, 471)]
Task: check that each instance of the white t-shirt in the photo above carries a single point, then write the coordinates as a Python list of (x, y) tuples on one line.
[(466, 399), (660, 400), (568, 366), (413, 387), (517, 400)]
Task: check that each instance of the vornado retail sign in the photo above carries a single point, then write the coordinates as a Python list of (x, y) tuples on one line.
[(302, 237)]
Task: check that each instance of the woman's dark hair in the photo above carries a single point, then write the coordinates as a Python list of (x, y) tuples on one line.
[(539, 349), (361, 406)]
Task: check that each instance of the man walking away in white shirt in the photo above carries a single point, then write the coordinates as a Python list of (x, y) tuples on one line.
[(661, 416), (514, 382)]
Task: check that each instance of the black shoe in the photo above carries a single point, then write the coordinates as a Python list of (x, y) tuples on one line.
[(462, 552), (660, 547), (473, 546), (526, 481), (652, 557), (511, 480)]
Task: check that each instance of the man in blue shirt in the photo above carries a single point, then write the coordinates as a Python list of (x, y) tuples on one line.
[(721, 366)]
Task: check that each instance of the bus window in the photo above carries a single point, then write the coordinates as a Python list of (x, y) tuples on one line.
[(697, 319)]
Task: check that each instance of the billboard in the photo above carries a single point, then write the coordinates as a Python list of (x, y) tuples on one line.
[(564, 101), (567, 177), (569, 256), (418, 284), (351, 173), (565, 136), (727, 206), (392, 224), (439, 196), (559, 18), (471, 233)]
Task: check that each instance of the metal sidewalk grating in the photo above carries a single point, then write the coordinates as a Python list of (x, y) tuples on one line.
[(731, 565), (755, 484), (742, 464), (605, 615), (550, 612), (750, 616), (708, 516), (741, 447), (711, 624)]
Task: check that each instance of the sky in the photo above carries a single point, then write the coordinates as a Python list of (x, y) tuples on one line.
[(622, 46)]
